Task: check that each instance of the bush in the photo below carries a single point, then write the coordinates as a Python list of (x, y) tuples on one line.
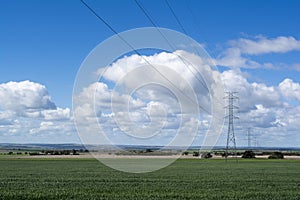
[(74, 152), (185, 153), (34, 153), (276, 155), (196, 153), (248, 154), (66, 152), (148, 151), (206, 155)]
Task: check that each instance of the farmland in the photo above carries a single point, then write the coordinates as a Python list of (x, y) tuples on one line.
[(38, 178)]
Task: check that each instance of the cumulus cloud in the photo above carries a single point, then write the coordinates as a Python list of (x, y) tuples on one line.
[(30, 100), (272, 111), (179, 72), (251, 94), (240, 52), (265, 107), (144, 101), (233, 58), (24, 95), (261, 117), (150, 100), (27, 111), (290, 89), (6, 117), (263, 45), (57, 114)]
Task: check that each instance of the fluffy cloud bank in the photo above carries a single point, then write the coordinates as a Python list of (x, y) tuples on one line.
[(25, 95), (271, 111), (131, 95), (251, 94), (266, 108), (26, 109), (152, 96)]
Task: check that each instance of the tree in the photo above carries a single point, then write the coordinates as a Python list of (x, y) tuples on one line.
[(74, 152), (276, 155), (196, 153), (206, 155), (148, 151), (248, 154)]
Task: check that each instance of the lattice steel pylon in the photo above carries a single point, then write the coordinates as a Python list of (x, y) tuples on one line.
[(249, 138), (231, 143)]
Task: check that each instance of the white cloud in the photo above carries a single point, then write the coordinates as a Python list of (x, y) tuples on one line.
[(179, 72), (57, 114), (149, 100), (51, 128), (28, 114), (251, 94), (24, 95), (270, 111), (264, 107), (240, 52), (290, 89), (232, 57), (6, 117), (261, 117), (263, 45)]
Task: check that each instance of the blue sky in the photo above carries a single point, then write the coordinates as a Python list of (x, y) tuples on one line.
[(45, 42)]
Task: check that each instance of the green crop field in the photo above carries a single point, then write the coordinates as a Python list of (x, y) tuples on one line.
[(185, 179)]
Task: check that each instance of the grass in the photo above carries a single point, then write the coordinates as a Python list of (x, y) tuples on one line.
[(185, 179)]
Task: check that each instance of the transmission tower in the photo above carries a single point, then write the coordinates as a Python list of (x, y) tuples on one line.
[(249, 138), (231, 143)]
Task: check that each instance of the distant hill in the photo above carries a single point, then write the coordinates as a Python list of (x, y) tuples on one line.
[(41, 146), (37, 146)]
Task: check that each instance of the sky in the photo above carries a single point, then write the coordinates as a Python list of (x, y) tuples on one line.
[(254, 44)]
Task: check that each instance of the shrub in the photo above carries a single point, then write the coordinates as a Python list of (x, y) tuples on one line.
[(74, 152), (248, 154), (196, 153), (34, 153), (276, 155), (206, 155), (148, 151)]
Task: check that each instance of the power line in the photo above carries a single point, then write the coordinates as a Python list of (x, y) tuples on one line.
[(142, 8), (175, 16), (185, 32), (103, 21), (195, 21), (129, 45), (145, 12), (180, 24)]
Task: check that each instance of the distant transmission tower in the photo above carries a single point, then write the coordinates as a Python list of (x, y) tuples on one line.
[(231, 143), (249, 138)]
